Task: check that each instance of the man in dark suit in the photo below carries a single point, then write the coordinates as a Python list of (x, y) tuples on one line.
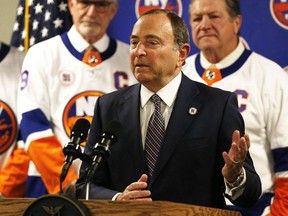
[(196, 163)]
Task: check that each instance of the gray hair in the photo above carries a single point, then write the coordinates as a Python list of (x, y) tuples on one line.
[(233, 7)]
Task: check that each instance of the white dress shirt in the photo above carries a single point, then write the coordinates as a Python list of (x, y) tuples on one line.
[(167, 94)]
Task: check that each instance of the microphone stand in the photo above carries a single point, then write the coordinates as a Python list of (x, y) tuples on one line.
[(100, 152), (87, 184), (73, 152), (76, 154)]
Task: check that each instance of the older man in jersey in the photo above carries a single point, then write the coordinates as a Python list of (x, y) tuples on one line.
[(61, 80), (13, 173), (261, 87)]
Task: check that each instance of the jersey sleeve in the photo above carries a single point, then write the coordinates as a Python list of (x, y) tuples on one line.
[(36, 127), (277, 126)]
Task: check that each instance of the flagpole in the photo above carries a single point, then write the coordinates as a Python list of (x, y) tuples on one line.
[(26, 26)]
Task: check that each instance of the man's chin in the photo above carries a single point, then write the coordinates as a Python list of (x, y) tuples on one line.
[(89, 31), (207, 47), (207, 43), (141, 77)]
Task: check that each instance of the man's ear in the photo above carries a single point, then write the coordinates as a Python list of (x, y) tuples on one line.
[(184, 51), (237, 24)]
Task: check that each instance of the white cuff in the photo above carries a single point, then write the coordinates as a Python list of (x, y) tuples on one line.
[(115, 196), (237, 191)]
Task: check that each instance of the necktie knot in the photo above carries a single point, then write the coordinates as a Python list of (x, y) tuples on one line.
[(156, 100), (91, 48)]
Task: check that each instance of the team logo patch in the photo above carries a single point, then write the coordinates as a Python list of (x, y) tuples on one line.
[(80, 106), (66, 77), (8, 127), (279, 11), (144, 5)]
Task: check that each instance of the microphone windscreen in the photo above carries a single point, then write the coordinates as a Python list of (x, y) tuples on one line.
[(81, 128)]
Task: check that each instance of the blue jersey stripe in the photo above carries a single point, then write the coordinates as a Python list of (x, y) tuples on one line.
[(33, 121)]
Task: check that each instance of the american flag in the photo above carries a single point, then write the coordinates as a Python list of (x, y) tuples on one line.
[(38, 20)]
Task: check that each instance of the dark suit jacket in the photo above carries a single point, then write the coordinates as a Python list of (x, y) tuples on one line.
[(190, 162)]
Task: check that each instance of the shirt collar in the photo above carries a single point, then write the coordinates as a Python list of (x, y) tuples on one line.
[(227, 61), (80, 44), (167, 93)]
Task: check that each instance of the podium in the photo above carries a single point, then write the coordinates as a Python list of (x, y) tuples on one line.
[(16, 206)]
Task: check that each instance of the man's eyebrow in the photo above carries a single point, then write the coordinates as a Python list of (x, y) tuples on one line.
[(133, 37), (152, 36), (146, 37)]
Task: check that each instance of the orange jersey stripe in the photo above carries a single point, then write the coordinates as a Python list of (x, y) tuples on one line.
[(47, 155), (13, 175), (279, 207)]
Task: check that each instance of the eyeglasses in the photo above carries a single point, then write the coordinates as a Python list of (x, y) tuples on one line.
[(101, 6)]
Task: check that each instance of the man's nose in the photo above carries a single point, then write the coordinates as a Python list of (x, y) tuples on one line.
[(205, 22), (92, 10), (139, 50)]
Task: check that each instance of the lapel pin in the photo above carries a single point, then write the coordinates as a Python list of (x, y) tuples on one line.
[(192, 111)]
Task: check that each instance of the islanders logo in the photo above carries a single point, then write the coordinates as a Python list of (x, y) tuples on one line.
[(8, 127), (80, 106), (144, 5), (279, 11)]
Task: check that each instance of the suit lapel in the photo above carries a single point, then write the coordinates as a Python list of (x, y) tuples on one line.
[(184, 111), (129, 109)]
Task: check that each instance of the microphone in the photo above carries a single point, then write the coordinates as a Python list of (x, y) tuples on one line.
[(101, 150), (72, 150)]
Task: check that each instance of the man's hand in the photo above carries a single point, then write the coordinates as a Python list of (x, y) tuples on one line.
[(136, 191), (235, 158), (71, 189)]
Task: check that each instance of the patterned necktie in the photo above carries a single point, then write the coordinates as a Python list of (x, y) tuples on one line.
[(154, 135), (211, 75), (91, 56)]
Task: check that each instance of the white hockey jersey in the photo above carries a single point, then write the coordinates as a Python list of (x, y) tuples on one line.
[(13, 159), (10, 67), (262, 89), (60, 84)]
